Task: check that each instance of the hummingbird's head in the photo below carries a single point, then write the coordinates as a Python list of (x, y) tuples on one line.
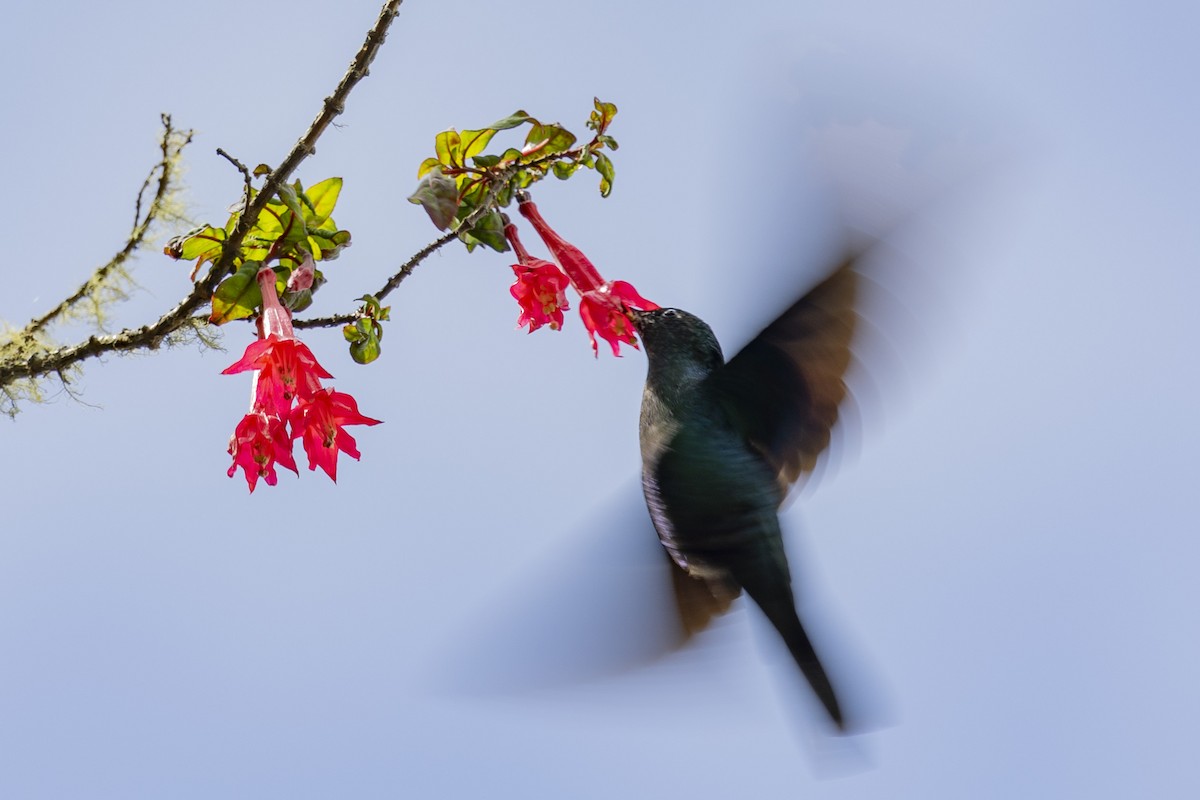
[(672, 336)]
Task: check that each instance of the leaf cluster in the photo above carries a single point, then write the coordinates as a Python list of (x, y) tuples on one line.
[(464, 187), (298, 222), (365, 332)]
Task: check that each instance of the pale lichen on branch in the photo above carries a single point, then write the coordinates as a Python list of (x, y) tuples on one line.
[(106, 279)]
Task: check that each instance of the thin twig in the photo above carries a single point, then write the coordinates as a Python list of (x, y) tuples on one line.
[(392, 282), (246, 176)]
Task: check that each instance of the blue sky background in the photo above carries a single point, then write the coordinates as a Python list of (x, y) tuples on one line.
[(1004, 571)]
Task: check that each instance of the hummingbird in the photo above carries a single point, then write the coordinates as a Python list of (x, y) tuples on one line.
[(722, 442)]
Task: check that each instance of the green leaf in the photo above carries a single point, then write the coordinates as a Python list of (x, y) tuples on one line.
[(365, 352), (297, 301), (489, 230), (447, 145), (237, 296), (472, 197), (565, 169), (364, 336), (512, 120), (470, 241), (235, 213), (473, 142), (605, 167), (261, 169), (548, 140), (439, 197), (486, 162), (204, 243), (288, 196), (602, 116), (326, 246), (294, 231), (269, 224), (426, 165), (255, 248), (608, 141), (323, 197), (504, 195), (372, 307)]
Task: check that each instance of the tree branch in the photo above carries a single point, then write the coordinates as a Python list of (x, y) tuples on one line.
[(247, 178), (151, 336), (392, 282)]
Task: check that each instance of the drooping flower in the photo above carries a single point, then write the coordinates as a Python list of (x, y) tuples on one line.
[(602, 303), (603, 313), (321, 421), (540, 287), (259, 442), (286, 372), (287, 369), (541, 293)]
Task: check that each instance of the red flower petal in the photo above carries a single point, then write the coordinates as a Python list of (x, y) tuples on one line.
[(287, 369), (320, 420), (604, 318), (629, 296), (259, 443), (540, 290)]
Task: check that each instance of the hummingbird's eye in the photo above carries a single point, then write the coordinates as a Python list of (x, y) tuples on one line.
[(670, 312)]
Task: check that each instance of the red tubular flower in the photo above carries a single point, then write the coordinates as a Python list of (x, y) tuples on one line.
[(540, 287), (584, 277), (603, 313), (259, 443), (321, 420), (287, 369), (275, 318), (602, 303), (541, 293)]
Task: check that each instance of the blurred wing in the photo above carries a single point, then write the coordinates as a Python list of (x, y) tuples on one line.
[(605, 600), (784, 388)]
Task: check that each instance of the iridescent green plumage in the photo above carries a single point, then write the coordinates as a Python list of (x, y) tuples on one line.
[(721, 443)]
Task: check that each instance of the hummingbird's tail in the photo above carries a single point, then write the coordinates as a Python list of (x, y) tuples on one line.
[(773, 594), (699, 599)]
